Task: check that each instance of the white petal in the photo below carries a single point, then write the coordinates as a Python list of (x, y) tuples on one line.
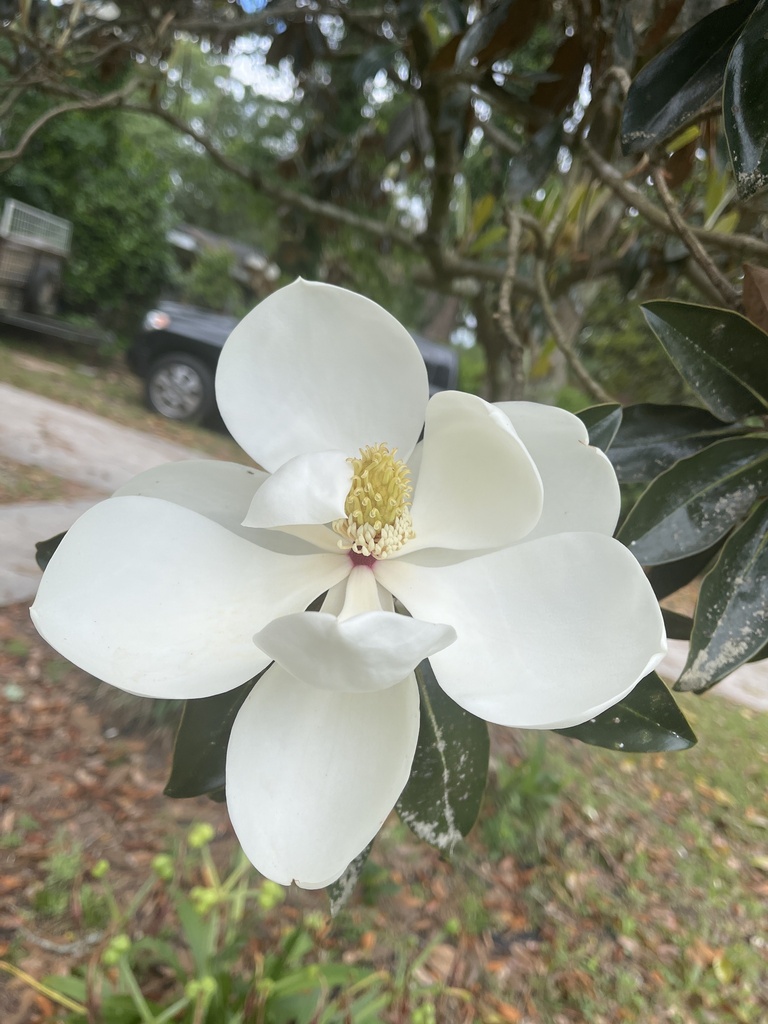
[(478, 487), (363, 652), (550, 632), (581, 491), (312, 775), (221, 491), (318, 368), (162, 602), (310, 489)]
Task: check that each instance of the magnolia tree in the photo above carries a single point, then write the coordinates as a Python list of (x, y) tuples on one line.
[(348, 623)]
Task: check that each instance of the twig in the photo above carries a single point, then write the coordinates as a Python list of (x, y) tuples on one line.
[(506, 320), (725, 289), (76, 948), (744, 245), (580, 371)]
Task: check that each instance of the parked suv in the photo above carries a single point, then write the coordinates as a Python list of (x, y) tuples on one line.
[(178, 347)]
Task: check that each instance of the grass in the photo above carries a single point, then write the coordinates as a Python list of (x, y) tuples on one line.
[(80, 376)]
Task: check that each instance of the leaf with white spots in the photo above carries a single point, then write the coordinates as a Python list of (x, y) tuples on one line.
[(646, 721), (340, 891), (731, 621), (442, 799)]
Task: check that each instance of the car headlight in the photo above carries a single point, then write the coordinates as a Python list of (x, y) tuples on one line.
[(156, 320)]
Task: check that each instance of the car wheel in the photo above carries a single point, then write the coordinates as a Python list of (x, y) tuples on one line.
[(180, 387)]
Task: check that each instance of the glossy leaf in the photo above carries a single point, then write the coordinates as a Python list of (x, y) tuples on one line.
[(754, 295), (697, 501), (678, 626), (44, 549), (745, 105), (442, 799), (648, 720), (340, 891), (674, 86), (602, 422), (670, 577), (731, 624), (200, 748), (528, 169), (653, 437), (502, 28), (722, 356)]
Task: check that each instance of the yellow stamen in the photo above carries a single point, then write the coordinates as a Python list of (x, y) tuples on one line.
[(378, 520)]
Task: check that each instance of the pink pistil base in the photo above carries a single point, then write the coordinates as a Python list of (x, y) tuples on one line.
[(357, 559)]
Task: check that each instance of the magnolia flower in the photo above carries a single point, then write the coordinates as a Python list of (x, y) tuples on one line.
[(493, 533)]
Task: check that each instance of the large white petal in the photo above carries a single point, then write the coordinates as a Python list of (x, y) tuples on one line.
[(581, 491), (363, 650), (318, 368), (221, 491), (309, 489), (163, 602), (478, 487), (312, 775), (550, 632)]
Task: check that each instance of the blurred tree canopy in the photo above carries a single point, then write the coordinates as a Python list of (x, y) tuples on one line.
[(544, 166), (474, 149)]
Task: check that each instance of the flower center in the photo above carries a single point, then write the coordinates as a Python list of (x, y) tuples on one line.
[(377, 519)]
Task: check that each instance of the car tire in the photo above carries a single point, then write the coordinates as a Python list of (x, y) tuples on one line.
[(180, 387)]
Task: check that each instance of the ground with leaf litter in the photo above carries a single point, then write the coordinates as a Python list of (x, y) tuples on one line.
[(596, 887)]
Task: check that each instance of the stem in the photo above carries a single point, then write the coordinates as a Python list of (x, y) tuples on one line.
[(141, 1004), (725, 289)]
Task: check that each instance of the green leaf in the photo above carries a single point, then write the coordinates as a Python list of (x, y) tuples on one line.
[(200, 747), (442, 799), (44, 549), (531, 166), (721, 354), (653, 437), (602, 422), (674, 86), (745, 105), (647, 720), (666, 579), (678, 626), (340, 891), (695, 502), (731, 624)]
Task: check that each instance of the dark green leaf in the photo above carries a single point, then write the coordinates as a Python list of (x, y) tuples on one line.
[(44, 549), (666, 579), (442, 799), (531, 166), (340, 890), (653, 437), (695, 502), (647, 720), (745, 105), (602, 422), (200, 748), (731, 625), (722, 356), (678, 626), (682, 79), (373, 60), (501, 29)]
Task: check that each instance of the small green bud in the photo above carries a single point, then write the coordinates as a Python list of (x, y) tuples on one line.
[(203, 899), (314, 921), (453, 926), (200, 835), (100, 868), (208, 986), (110, 958), (121, 943), (270, 894), (162, 865)]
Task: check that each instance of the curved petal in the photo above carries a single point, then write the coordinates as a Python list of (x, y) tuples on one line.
[(310, 489), (162, 602), (550, 632), (312, 775), (221, 491), (581, 491), (358, 652), (318, 368), (478, 487)]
